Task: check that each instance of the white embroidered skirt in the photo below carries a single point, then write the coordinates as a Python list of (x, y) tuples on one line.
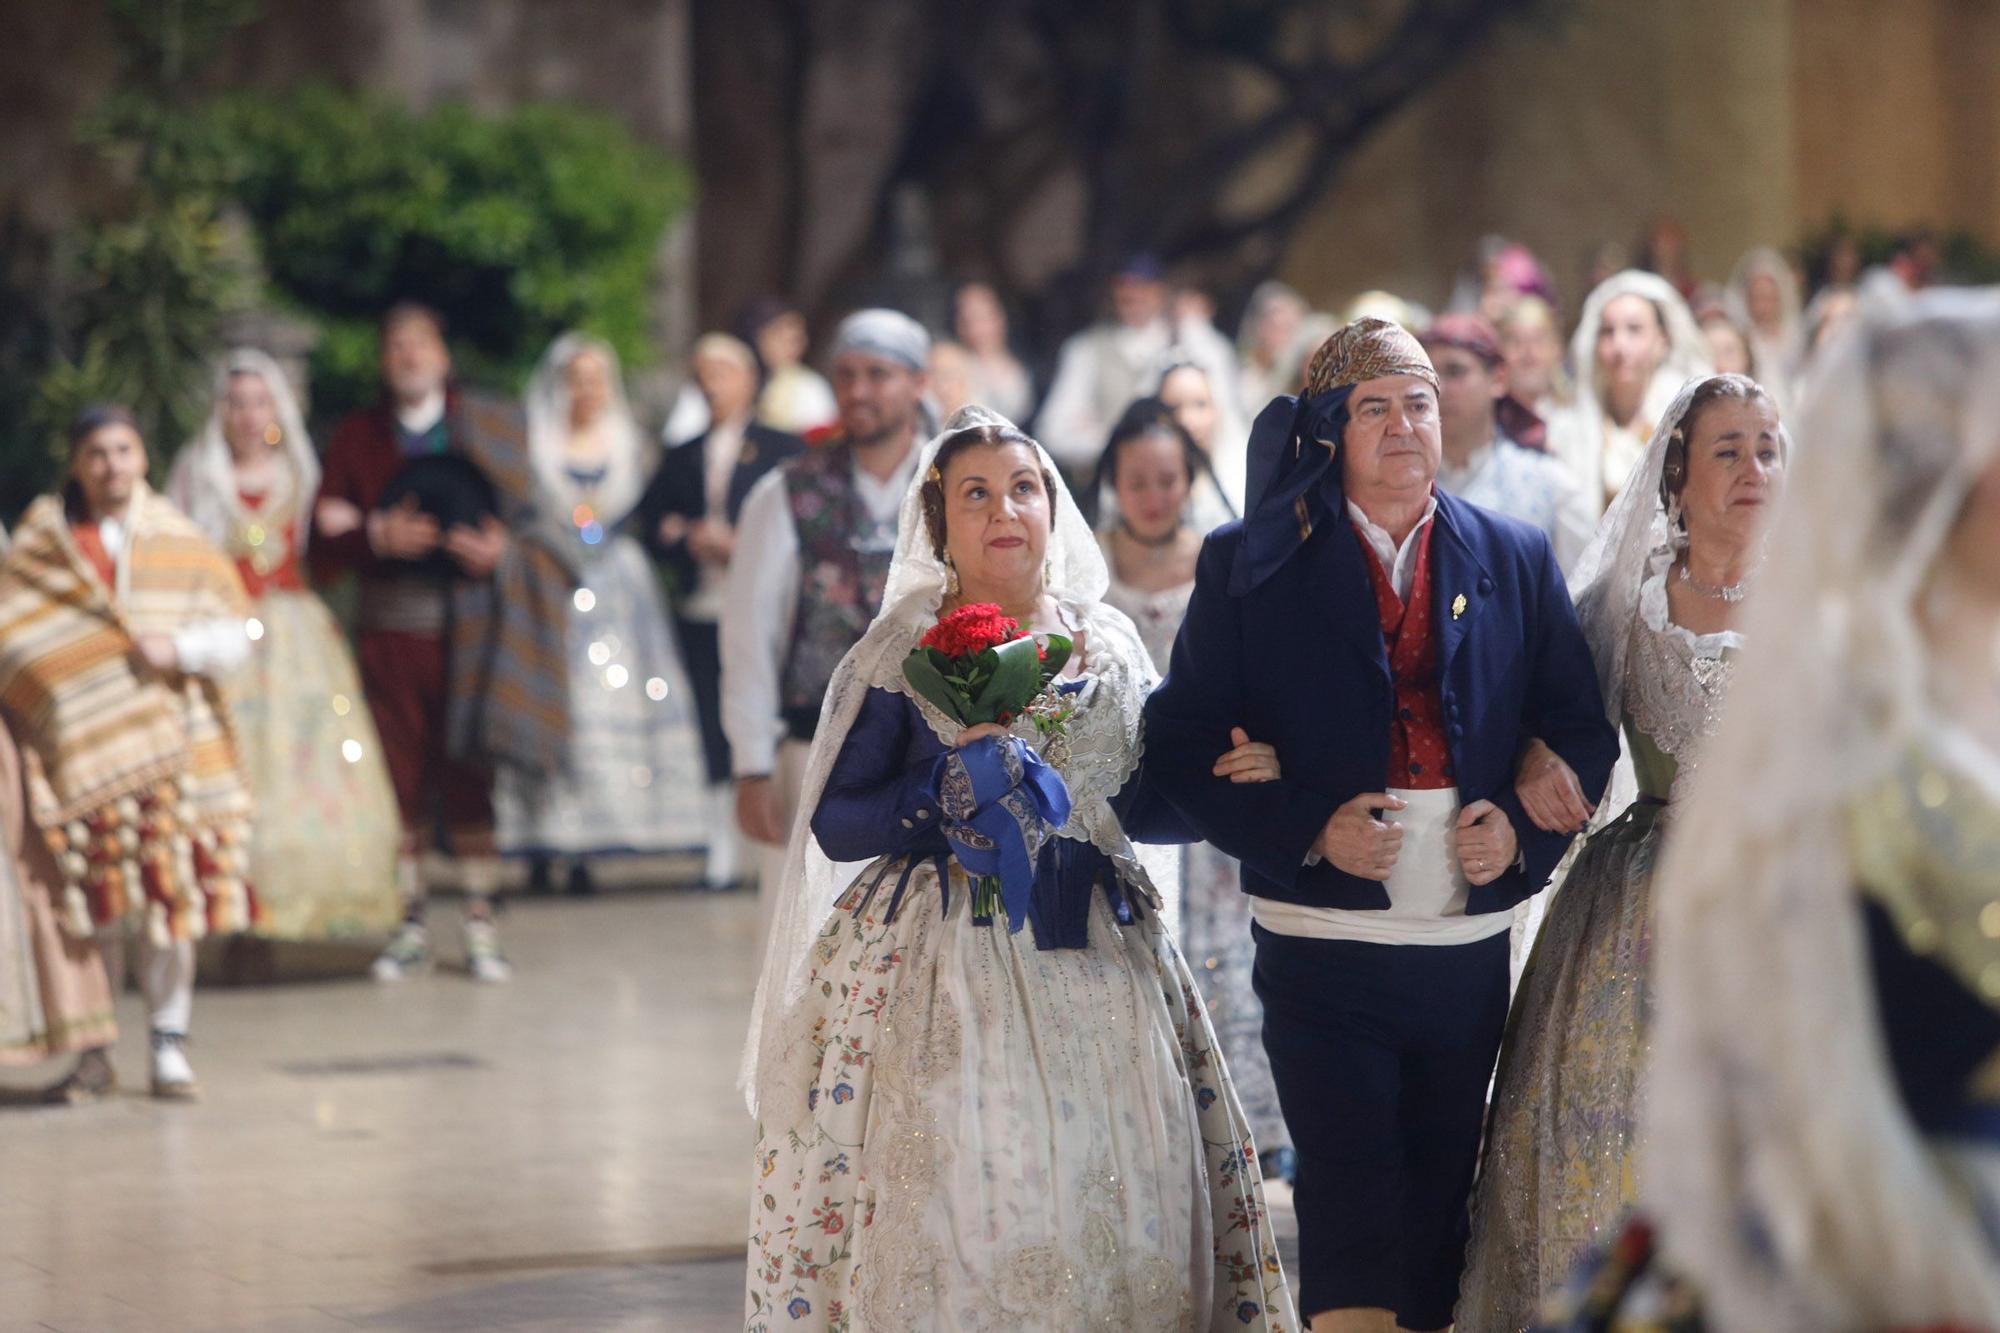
[(1002, 1137)]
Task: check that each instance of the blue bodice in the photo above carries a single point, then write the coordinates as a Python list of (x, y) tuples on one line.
[(880, 802)]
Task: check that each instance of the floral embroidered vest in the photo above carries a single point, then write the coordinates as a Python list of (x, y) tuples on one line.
[(841, 576)]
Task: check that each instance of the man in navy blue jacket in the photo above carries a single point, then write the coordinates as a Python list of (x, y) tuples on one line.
[(1398, 647)]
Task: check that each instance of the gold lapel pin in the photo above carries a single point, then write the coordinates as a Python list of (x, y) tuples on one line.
[(1458, 606)]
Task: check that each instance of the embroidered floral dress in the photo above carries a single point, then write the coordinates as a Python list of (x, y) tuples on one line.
[(1007, 1131), (1562, 1147), (325, 866)]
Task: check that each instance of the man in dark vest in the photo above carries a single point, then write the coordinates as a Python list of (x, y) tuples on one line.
[(813, 546), (1398, 646)]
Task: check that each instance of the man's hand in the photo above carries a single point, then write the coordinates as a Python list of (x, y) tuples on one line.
[(673, 529), (757, 811), (1485, 842), (1249, 761), (712, 541), (402, 533), (477, 550), (1355, 841), (158, 652), (335, 517), (1550, 792)]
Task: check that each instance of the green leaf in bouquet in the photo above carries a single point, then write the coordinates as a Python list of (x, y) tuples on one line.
[(928, 681), (1016, 679), (1058, 648)]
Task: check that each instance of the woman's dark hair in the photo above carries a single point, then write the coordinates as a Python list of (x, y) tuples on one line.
[(95, 418), (752, 318), (1714, 389), (972, 437), (1143, 417)]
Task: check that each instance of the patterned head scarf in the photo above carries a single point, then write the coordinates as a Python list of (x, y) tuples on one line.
[(1367, 349)]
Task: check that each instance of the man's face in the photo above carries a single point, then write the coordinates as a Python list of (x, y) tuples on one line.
[(729, 386), (1467, 390), (1138, 301), (415, 360), (107, 467), (877, 397), (1392, 442)]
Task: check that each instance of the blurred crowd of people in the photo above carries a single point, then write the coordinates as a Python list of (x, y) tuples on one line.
[(572, 636), (575, 636)]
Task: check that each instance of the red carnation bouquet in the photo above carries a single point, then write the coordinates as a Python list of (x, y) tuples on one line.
[(978, 665)]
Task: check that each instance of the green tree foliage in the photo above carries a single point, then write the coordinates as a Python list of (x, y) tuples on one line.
[(515, 226), (147, 280)]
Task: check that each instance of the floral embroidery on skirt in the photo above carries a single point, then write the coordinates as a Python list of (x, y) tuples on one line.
[(1001, 1138)]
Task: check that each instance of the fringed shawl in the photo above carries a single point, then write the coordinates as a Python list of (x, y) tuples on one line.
[(509, 698), (99, 732)]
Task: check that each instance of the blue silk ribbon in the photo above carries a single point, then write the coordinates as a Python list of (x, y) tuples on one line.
[(1000, 803), (1289, 469)]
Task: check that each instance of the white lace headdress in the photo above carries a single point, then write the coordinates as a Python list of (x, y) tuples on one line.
[(774, 1072), (1763, 261), (1769, 1097), (1633, 534), (202, 484), (630, 450), (1687, 353)]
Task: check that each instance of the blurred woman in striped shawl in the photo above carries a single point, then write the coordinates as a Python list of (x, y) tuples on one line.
[(117, 617)]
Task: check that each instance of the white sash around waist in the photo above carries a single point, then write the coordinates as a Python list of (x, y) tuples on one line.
[(1427, 892)]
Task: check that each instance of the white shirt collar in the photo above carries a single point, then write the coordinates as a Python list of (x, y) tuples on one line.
[(884, 498), (111, 531), (423, 415), (1398, 562)]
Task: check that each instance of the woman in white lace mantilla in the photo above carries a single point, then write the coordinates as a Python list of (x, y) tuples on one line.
[(1635, 345), (630, 778), (1823, 1115), (1657, 598), (963, 1126)]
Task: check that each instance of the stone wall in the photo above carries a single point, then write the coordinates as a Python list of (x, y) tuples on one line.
[(1751, 121)]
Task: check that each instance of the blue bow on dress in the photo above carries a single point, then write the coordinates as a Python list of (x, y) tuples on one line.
[(1000, 804)]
